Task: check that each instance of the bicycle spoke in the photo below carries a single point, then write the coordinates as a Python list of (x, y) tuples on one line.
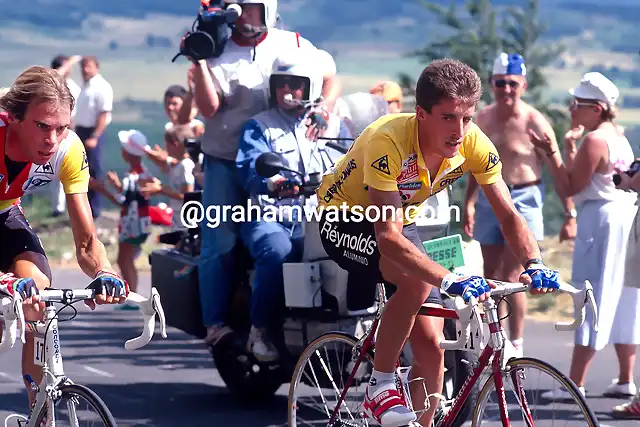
[(321, 379), (532, 379)]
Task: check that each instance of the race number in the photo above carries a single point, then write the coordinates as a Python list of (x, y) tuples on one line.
[(38, 351), (475, 343)]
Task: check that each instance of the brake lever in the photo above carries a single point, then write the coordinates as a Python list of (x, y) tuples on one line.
[(17, 309), (581, 298), (157, 306), (591, 301)]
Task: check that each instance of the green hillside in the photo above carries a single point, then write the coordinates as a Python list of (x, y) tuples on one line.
[(370, 40)]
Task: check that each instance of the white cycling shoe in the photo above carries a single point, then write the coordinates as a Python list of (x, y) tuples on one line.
[(385, 405)]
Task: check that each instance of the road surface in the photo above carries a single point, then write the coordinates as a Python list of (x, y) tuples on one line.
[(173, 382)]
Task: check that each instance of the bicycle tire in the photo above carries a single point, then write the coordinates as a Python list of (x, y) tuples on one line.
[(547, 368), (87, 394), (302, 362)]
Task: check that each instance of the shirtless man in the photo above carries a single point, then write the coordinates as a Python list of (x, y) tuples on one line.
[(506, 123)]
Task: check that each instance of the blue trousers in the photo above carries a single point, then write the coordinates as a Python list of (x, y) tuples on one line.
[(217, 266), (271, 245)]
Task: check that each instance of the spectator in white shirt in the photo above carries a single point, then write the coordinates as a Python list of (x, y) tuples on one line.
[(93, 115), (63, 64)]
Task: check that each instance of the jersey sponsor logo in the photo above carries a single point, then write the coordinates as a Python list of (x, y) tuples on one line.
[(410, 185), (457, 171), (409, 169), (449, 181), (85, 162), (382, 164), (340, 180), (46, 169), (492, 162), (35, 181), (356, 247)]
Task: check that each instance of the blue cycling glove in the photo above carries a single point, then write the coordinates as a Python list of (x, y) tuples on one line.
[(543, 277), (10, 284), (465, 286), (109, 284)]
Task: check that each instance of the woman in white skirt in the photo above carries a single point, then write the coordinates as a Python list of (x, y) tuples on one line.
[(605, 216)]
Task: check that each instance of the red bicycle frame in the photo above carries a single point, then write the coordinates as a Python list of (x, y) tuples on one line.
[(460, 399)]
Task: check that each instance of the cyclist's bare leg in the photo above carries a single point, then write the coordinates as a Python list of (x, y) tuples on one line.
[(35, 266), (126, 263), (428, 363), (511, 270), (398, 316), (580, 362)]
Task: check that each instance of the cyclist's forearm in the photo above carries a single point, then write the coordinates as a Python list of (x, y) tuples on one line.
[(414, 262), (92, 257), (520, 238), (472, 192)]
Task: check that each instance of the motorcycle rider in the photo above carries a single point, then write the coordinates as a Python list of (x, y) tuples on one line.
[(228, 90), (295, 86)]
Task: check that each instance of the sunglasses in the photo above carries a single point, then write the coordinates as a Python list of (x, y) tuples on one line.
[(574, 103), (294, 82), (502, 83)]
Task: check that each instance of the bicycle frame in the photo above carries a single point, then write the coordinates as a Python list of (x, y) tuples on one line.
[(492, 353), (50, 355)]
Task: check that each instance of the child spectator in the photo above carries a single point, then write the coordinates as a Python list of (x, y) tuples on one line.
[(180, 175), (174, 100), (134, 226)]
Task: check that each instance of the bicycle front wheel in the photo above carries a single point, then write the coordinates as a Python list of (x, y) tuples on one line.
[(525, 380), (319, 379), (78, 406)]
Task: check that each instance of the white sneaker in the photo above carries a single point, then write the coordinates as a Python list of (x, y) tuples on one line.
[(561, 394), (259, 344), (620, 390)]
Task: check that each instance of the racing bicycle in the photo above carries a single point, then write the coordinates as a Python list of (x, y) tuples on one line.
[(338, 367), (57, 395)]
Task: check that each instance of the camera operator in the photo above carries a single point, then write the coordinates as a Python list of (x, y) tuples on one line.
[(294, 81), (229, 89)]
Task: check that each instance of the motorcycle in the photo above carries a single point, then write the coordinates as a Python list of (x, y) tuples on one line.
[(318, 299)]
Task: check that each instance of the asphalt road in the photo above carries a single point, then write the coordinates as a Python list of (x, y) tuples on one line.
[(173, 382)]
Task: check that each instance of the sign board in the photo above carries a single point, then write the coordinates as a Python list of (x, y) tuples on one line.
[(446, 251)]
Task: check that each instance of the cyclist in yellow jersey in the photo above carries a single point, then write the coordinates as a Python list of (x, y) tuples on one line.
[(395, 165), (36, 147)]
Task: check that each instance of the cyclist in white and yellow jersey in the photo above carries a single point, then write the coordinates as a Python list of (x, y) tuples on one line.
[(36, 147), (398, 162)]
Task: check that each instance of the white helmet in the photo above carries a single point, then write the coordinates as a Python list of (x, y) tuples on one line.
[(301, 63), (270, 10)]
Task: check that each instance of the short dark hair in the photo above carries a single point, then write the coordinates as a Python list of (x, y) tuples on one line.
[(447, 79), (90, 58), (175, 90), (58, 61)]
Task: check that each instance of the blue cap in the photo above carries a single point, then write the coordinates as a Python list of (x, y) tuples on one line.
[(509, 64)]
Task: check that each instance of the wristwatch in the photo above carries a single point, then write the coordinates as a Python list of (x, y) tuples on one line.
[(572, 213)]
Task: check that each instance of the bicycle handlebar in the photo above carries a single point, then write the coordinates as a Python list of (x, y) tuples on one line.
[(468, 313), (11, 307)]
